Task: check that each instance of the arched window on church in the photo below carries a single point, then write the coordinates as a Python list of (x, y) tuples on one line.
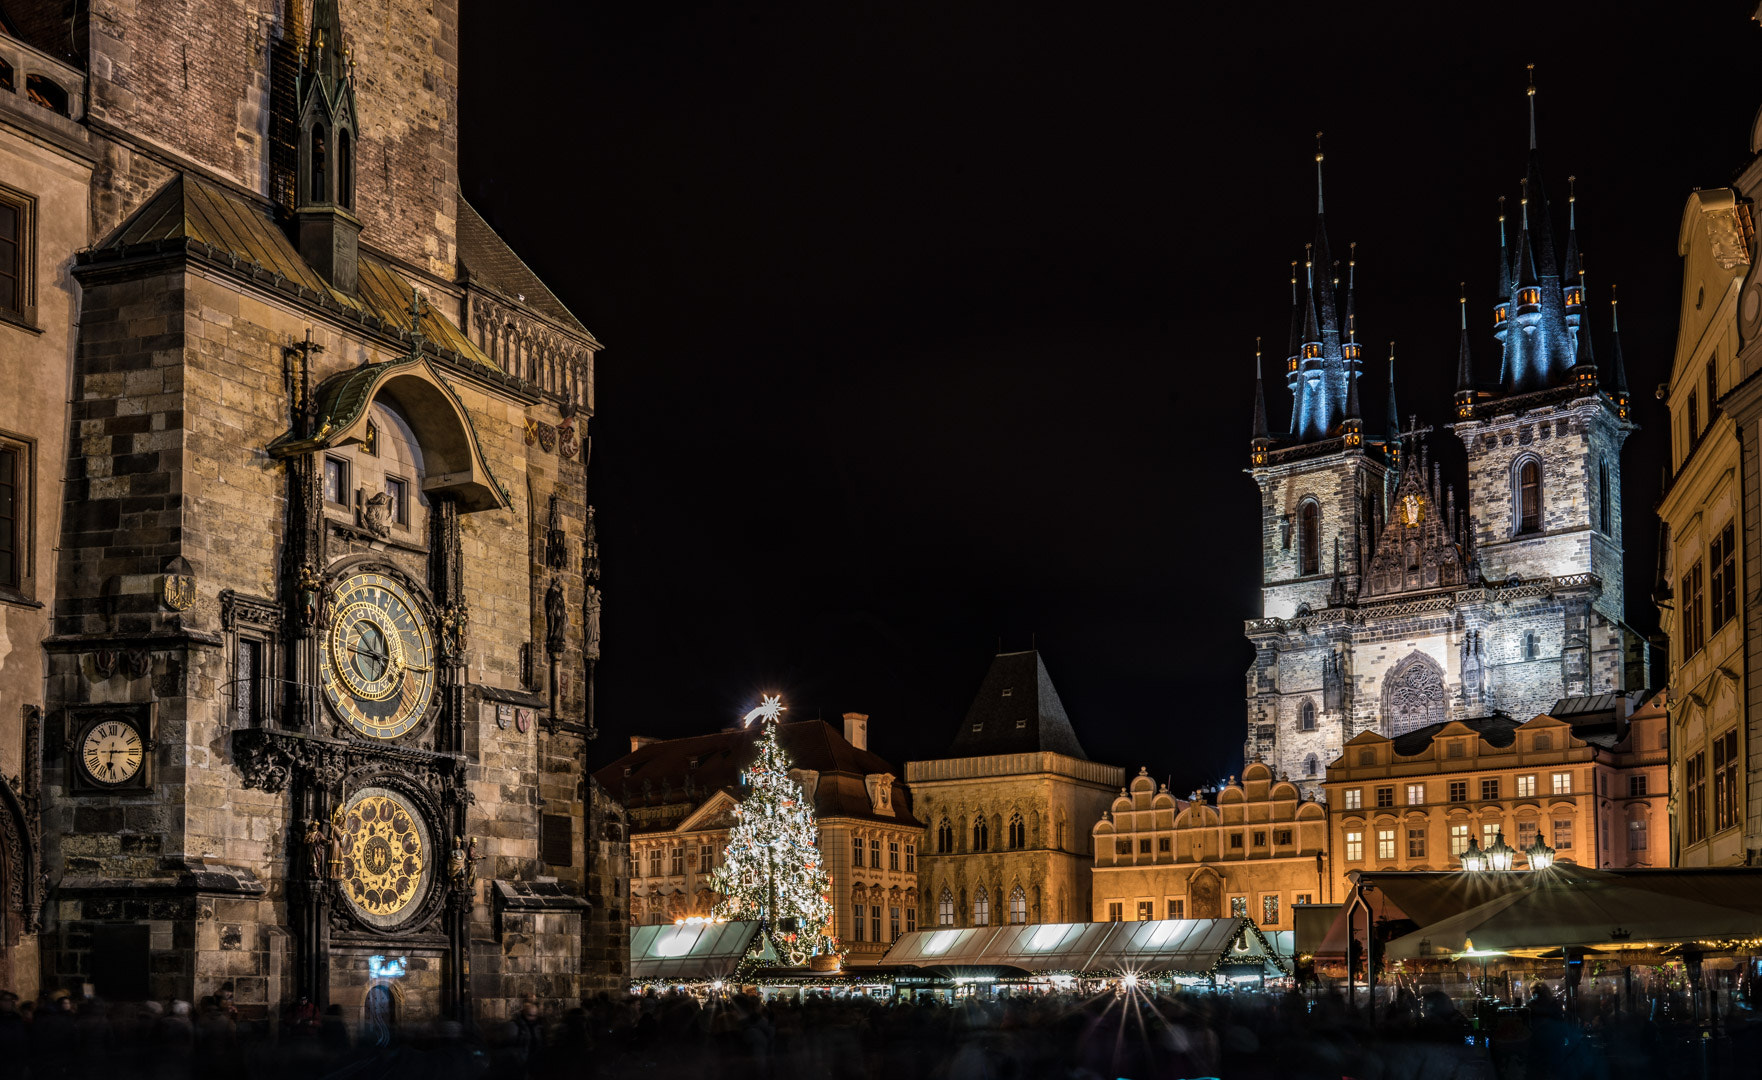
[(1018, 833), (1529, 496), (320, 152), (345, 170), (1018, 906), (945, 908), (1306, 716), (1311, 765), (981, 834), (1532, 645), (981, 907), (944, 838), (1605, 512), (1309, 537)]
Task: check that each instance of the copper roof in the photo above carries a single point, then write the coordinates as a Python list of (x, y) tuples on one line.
[(191, 210)]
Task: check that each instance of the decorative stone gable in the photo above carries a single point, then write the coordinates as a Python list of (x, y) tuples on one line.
[(1417, 548)]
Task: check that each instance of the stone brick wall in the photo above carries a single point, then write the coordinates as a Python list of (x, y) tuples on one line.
[(1339, 483), (605, 937)]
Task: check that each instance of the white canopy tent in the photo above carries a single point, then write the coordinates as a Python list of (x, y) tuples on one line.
[(697, 950), (1190, 946)]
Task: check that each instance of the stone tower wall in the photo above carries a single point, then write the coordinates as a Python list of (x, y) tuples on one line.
[(1339, 483)]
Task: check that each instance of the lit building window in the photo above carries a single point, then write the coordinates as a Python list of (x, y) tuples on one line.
[(1636, 834), (1018, 906), (945, 909), (1458, 839), (1354, 798), (1385, 843), (1238, 907), (1562, 783), (1269, 909), (981, 907), (1416, 794), (1355, 847)]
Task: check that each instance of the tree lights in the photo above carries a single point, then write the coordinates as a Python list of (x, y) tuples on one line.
[(772, 869)]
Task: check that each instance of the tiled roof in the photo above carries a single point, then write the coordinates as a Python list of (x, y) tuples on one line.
[(191, 210), (1016, 711), (490, 262), (690, 770)]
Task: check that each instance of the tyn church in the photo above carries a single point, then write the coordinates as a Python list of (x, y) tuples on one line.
[(1388, 603)]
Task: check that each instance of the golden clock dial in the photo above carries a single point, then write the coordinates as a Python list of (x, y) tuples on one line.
[(112, 752), (385, 855), (377, 660)]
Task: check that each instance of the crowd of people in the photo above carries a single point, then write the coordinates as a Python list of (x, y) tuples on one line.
[(1121, 1033)]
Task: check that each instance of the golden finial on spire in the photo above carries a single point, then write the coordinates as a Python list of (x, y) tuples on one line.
[(1257, 352), (1571, 188), (1501, 208), (1318, 148), (1532, 87)]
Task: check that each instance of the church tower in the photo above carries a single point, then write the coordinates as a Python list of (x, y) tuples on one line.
[(1323, 486), (1387, 605)]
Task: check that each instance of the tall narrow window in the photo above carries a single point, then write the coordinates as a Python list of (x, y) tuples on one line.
[(247, 682), (1712, 386), (1694, 421), (1722, 581), (1306, 716), (945, 908), (1725, 781), (11, 551), (944, 838), (12, 248), (1309, 537), (1529, 497), (911, 858), (1694, 625), (1311, 765), (1018, 906), (1605, 504), (1018, 833), (861, 914), (981, 834), (981, 907), (6, 77), (320, 151), (345, 170), (1695, 806)]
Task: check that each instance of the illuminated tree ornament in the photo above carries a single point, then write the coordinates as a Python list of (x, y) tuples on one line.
[(772, 869)]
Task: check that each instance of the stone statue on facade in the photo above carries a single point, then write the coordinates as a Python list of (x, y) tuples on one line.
[(376, 515), (591, 623), (556, 619)]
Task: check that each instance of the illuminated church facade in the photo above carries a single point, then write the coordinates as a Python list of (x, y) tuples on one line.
[(1390, 601)]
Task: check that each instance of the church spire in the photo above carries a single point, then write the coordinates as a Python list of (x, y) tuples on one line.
[(326, 230), (326, 55), (1617, 367), (1464, 361), (1584, 367), (1260, 431)]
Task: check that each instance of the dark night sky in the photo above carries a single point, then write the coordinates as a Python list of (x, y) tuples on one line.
[(929, 324)]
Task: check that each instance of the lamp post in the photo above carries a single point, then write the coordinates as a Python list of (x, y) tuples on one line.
[(1541, 856), (1501, 855), (1474, 860)]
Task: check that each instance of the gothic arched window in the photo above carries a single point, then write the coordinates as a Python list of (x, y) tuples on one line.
[(944, 838), (1309, 537), (981, 834), (1532, 645), (945, 908), (1311, 765), (345, 170), (1018, 833), (1018, 906), (981, 907), (1529, 496), (1605, 511), (320, 151), (1306, 716)]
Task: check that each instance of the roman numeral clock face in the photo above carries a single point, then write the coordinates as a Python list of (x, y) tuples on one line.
[(377, 660), (112, 753)]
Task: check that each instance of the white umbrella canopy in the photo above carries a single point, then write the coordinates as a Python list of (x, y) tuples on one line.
[(1576, 907)]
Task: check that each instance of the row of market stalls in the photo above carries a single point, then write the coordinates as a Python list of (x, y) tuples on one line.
[(1694, 929), (984, 960)]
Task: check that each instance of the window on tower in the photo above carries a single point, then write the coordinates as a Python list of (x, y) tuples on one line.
[(1309, 537), (1306, 716), (1605, 509), (320, 150), (1529, 497), (981, 834), (345, 171)]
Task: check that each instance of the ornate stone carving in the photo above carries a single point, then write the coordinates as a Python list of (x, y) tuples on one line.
[(591, 624), (376, 515), (1413, 695), (556, 544), (136, 663), (556, 618), (237, 607)]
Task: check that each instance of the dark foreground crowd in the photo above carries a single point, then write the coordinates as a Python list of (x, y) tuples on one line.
[(1118, 1034)]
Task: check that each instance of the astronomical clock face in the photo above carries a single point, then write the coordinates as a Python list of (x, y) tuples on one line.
[(377, 660), (386, 856)]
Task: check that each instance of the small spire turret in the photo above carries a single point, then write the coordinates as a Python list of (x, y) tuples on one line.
[(1617, 385), (1584, 367), (1464, 362), (1393, 443), (1261, 438)]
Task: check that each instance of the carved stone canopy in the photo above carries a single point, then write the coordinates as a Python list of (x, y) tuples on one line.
[(452, 459)]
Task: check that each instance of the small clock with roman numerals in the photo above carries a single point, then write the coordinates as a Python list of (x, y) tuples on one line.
[(111, 754)]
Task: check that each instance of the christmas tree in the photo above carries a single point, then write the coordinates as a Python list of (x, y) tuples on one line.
[(772, 869)]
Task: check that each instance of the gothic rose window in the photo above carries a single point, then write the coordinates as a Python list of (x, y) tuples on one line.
[(1413, 695)]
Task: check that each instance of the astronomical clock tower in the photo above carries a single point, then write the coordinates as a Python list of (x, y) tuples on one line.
[(328, 589)]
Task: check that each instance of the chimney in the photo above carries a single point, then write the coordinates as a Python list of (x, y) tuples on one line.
[(637, 742), (856, 729)]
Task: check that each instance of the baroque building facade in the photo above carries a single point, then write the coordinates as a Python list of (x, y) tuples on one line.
[(1590, 777), (681, 795), (1008, 813), (322, 617), (1255, 850), (1389, 603), (1709, 565)]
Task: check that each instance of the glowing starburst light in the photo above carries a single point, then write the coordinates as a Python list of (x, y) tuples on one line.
[(769, 707)]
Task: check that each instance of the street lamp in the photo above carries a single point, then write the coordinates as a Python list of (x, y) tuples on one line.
[(1501, 855), (1541, 856), (1474, 860)]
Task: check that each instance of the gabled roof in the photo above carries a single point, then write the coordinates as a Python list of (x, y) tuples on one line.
[(190, 210), (692, 771), (1016, 711), (488, 261)]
